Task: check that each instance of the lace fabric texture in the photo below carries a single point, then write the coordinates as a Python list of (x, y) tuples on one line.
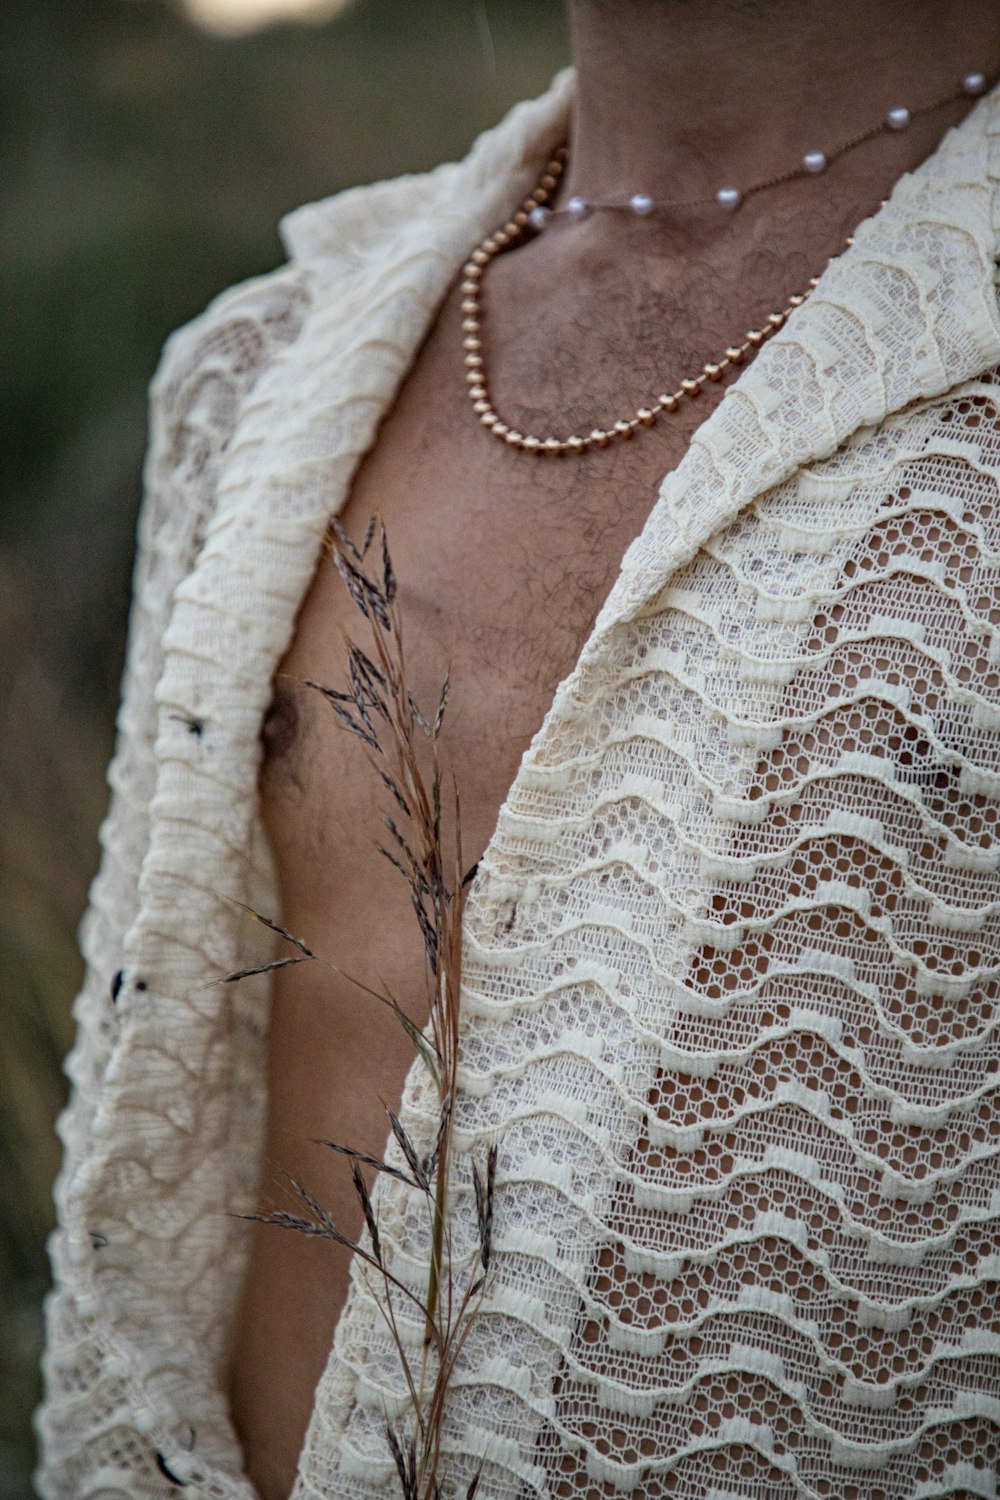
[(93, 1427), (731, 958), (731, 1017)]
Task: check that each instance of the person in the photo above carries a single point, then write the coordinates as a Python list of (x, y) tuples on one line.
[(723, 717)]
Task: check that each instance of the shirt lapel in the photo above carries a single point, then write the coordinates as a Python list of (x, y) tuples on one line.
[(908, 312)]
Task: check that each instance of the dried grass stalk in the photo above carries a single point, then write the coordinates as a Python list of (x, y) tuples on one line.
[(402, 744)]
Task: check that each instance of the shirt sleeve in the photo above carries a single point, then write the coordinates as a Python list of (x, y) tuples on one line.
[(206, 370)]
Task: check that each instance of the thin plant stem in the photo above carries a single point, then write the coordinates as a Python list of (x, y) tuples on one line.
[(377, 707)]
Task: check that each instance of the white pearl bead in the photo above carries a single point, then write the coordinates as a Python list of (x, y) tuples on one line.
[(898, 118), (576, 206), (974, 83), (538, 216), (814, 161), (641, 203), (729, 197)]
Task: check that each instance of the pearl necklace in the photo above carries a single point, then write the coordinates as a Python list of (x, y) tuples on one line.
[(534, 213), (811, 164)]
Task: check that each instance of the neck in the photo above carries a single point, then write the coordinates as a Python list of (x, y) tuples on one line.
[(677, 98)]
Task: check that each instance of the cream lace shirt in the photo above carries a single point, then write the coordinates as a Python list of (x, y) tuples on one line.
[(733, 953)]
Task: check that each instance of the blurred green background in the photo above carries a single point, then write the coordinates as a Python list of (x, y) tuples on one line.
[(145, 163)]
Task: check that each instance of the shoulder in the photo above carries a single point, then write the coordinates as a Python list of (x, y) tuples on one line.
[(209, 364), (362, 264), (343, 244)]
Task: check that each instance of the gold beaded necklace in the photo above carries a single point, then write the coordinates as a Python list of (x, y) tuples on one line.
[(598, 437), (533, 213)]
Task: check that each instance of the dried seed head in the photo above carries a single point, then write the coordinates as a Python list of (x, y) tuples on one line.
[(406, 1146), (278, 963), (484, 1205), (388, 576), (361, 1188), (442, 705)]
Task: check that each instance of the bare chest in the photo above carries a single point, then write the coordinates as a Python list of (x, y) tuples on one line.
[(503, 561)]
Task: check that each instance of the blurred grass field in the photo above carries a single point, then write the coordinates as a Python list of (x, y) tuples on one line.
[(146, 164)]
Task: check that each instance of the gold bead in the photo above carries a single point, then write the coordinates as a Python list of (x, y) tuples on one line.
[(849, 241), (691, 387), (813, 282), (481, 407), (470, 289), (599, 437), (537, 198), (552, 446), (501, 238), (489, 247), (512, 229), (472, 270), (734, 354), (470, 305), (623, 428), (500, 428), (669, 403), (577, 444), (474, 361), (796, 300), (477, 392), (472, 344), (479, 258), (548, 182), (755, 337), (714, 372), (488, 417), (776, 320), (646, 417), (520, 219), (474, 377), (531, 444), (514, 439)]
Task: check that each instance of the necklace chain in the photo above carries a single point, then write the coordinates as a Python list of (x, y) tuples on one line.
[(811, 163), (533, 213), (599, 437)]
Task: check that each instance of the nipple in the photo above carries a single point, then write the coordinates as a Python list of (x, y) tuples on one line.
[(280, 726)]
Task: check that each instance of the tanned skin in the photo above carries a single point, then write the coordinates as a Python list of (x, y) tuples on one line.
[(504, 560)]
